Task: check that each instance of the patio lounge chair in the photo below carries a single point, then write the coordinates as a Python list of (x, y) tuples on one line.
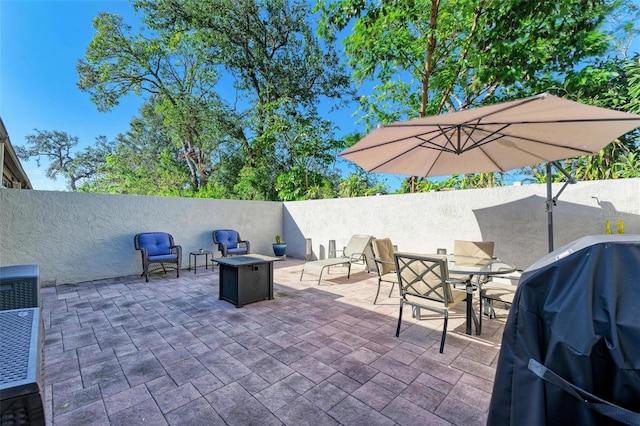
[(158, 248), (425, 284), (354, 252), (385, 265)]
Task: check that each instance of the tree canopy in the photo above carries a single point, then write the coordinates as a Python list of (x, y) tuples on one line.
[(267, 52), (58, 147), (236, 92), (427, 57)]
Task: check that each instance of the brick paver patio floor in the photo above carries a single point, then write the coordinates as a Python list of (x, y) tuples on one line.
[(125, 352)]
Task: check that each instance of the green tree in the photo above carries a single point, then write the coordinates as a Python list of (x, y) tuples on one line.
[(173, 68), (58, 147), (144, 161), (360, 185), (427, 57), (265, 50), (632, 70), (628, 165), (605, 82)]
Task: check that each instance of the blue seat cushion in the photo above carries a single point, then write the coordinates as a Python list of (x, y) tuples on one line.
[(163, 258), (156, 243), (237, 250), (229, 238)]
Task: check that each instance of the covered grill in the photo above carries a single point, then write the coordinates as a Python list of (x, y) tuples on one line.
[(571, 346)]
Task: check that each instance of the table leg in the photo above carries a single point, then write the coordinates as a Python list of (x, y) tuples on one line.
[(190, 261), (206, 261), (469, 289), (471, 314)]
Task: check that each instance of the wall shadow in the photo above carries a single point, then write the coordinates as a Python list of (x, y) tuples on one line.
[(520, 227)]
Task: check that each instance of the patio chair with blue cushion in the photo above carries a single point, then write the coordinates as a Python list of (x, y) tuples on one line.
[(229, 242), (356, 251), (158, 248)]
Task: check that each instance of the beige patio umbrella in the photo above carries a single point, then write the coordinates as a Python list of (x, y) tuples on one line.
[(495, 138)]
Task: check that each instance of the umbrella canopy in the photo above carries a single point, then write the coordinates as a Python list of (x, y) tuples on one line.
[(494, 138)]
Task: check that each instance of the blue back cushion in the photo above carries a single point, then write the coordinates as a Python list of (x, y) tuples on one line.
[(156, 243), (229, 237)]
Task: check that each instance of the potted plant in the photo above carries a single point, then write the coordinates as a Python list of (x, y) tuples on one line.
[(279, 247)]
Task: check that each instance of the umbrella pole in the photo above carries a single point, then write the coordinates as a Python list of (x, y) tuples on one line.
[(549, 208), (551, 200)]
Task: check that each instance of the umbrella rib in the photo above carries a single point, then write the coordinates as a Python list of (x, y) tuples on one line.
[(487, 123), (404, 138), (477, 119), (555, 145), (520, 148), (499, 135), (483, 140), (566, 120), (433, 147), (444, 147)]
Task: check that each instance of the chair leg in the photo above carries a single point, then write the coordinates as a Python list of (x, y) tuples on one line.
[(301, 273), (377, 292), (415, 313), (399, 320), (487, 307), (391, 291), (444, 334), (320, 277)]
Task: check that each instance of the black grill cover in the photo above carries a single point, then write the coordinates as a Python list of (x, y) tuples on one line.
[(571, 346)]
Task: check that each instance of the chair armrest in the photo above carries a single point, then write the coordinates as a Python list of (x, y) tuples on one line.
[(384, 262), (455, 281), (380, 266), (246, 244), (222, 247), (177, 248)]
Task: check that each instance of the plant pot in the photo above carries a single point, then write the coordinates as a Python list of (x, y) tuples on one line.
[(279, 249)]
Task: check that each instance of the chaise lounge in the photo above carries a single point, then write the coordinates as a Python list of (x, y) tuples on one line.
[(354, 252)]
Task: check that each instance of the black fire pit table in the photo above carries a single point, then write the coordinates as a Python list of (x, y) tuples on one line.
[(246, 279)]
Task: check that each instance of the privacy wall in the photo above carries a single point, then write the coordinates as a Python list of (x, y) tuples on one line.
[(513, 217), (78, 237)]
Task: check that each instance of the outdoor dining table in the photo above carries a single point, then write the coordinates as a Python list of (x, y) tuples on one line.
[(479, 270)]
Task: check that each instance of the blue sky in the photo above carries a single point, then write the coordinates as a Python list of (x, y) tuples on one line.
[(40, 45)]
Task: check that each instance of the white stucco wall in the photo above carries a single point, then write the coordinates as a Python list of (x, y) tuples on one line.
[(514, 217), (78, 237)]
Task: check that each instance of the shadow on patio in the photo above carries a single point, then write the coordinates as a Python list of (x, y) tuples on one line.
[(122, 351)]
